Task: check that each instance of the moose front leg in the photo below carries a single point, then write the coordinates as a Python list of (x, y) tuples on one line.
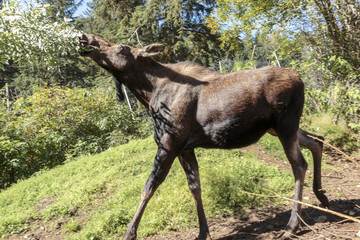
[(189, 163), (291, 146), (162, 164)]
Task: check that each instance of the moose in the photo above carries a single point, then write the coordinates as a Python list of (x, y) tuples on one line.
[(193, 106)]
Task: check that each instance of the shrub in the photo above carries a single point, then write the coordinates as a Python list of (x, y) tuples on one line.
[(55, 124), (72, 226), (334, 112), (342, 101)]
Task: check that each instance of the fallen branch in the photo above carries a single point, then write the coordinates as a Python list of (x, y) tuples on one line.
[(302, 220), (303, 203), (336, 149), (316, 207)]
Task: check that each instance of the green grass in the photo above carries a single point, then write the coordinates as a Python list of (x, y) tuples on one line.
[(96, 196)]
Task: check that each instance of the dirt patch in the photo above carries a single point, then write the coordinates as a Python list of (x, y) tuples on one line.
[(44, 203), (43, 230), (342, 184)]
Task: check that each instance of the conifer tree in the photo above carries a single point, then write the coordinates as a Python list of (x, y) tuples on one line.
[(179, 24), (63, 8)]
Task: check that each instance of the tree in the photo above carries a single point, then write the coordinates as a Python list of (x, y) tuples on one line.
[(40, 48), (31, 35), (63, 8), (179, 24), (342, 20), (329, 26)]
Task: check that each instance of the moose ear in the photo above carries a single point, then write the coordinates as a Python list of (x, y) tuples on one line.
[(150, 50)]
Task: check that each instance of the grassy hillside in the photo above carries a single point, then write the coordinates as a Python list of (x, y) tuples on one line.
[(95, 197)]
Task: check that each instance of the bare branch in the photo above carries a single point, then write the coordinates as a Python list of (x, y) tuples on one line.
[(137, 36)]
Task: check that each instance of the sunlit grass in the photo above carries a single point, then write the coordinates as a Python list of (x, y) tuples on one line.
[(106, 188)]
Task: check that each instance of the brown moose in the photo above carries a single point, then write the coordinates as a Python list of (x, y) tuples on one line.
[(193, 106)]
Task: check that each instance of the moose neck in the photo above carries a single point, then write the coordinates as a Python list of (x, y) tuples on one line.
[(141, 79)]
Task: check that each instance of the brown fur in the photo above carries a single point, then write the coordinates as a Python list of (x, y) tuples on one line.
[(193, 106)]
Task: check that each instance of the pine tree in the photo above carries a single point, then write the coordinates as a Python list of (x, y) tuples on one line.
[(64, 8), (179, 24)]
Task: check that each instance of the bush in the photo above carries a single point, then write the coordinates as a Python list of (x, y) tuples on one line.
[(55, 124), (334, 112), (342, 101), (337, 134)]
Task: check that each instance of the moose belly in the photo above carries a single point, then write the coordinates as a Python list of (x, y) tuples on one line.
[(235, 119), (232, 133)]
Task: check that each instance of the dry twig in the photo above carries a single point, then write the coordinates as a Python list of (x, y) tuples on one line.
[(336, 149), (303, 203), (137, 36), (303, 221), (316, 207)]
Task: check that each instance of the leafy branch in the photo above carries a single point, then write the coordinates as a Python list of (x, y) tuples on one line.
[(33, 35)]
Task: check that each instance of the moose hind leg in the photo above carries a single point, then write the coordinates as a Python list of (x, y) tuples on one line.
[(162, 165), (189, 163), (292, 150), (310, 141)]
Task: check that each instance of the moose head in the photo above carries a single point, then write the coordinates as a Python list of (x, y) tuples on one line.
[(114, 57)]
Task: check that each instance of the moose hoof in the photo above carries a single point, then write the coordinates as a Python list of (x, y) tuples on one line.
[(323, 199), (204, 237), (129, 237)]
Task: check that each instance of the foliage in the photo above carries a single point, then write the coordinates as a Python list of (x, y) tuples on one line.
[(336, 133), (329, 27), (178, 24), (243, 65), (334, 112), (38, 48), (100, 193), (56, 124), (63, 8), (72, 226), (71, 71), (340, 100), (257, 51), (32, 35)]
